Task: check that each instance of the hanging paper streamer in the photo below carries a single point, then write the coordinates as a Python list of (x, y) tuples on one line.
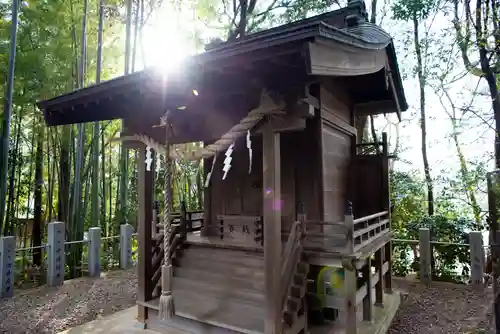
[(158, 163), (227, 161), (209, 174), (149, 159), (249, 146)]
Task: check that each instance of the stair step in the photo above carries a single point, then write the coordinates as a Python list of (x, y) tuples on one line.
[(182, 284), (209, 310), (253, 310), (198, 314), (247, 282), (246, 258), (228, 269)]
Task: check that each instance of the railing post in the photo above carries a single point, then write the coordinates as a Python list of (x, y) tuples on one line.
[(55, 259), (183, 222), (425, 255), (125, 246), (349, 223), (7, 256), (94, 251), (476, 258)]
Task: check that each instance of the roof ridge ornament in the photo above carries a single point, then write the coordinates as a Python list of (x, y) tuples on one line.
[(356, 13)]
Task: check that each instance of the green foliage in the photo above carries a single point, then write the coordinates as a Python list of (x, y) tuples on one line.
[(409, 9), (450, 225)]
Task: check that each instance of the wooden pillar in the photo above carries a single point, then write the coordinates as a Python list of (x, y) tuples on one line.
[(207, 200), (272, 227), (386, 206), (145, 216), (350, 285), (368, 300), (379, 287), (388, 274)]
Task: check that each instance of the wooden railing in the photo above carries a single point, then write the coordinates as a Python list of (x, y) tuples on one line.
[(369, 148), (374, 148), (349, 236), (182, 223), (194, 221), (290, 259), (367, 229)]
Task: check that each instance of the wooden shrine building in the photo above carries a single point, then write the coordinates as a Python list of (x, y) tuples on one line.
[(278, 111)]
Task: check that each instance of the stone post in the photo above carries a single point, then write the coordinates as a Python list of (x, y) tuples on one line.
[(56, 260), (94, 251), (425, 255), (125, 246), (7, 257), (476, 258)]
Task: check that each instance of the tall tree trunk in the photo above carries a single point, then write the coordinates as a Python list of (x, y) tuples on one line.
[(486, 69), (488, 73), (7, 112), (136, 34), (123, 175), (96, 132), (38, 214), (104, 221), (12, 177), (421, 84), (76, 214), (64, 176)]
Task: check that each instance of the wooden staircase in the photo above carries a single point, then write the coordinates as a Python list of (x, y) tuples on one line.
[(221, 289), (294, 273)]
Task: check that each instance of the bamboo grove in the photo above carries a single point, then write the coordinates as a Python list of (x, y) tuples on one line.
[(72, 174)]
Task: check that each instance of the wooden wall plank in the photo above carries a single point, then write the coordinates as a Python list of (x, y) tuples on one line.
[(336, 159)]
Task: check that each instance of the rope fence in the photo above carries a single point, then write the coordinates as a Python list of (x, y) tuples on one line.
[(50, 262), (424, 245), (57, 259)]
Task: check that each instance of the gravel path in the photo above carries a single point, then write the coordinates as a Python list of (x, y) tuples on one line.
[(442, 308), (51, 310)]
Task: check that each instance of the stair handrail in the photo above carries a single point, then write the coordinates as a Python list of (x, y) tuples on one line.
[(290, 257)]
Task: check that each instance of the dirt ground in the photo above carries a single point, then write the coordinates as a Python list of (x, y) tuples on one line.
[(51, 310), (442, 308)]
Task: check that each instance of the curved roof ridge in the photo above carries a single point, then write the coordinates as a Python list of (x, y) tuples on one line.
[(370, 32), (366, 36)]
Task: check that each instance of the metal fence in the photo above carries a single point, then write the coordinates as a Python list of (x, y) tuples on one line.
[(48, 263)]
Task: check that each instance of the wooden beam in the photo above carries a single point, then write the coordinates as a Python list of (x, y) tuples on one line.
[(283, 124), (375, 108), (272, 227), (145, 217), (392, 87)]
